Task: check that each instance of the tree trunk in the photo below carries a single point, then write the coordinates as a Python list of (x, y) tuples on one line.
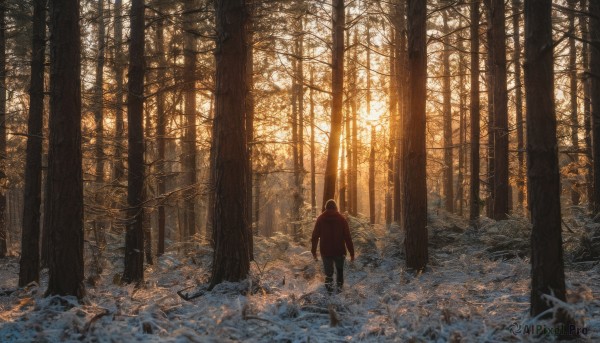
[(120, 61), (231, 260), (475, 115), (147, 220), (337, 88), (3, 163), (518, 103), (313, 184), (490, 111), (189, 139), (296, 165), (573, 102), (415, 187), (587, 111), (401, 68), (98, 102), (134, 237), (353, 106), (342, 205), (462, 125), (297, 109), (210, 232), (500, 103), (547, 271), (30, 236), (447, 113), (64, 210), (594, 29), (250, 121), (372, 178), (346, 192), (393, 108), (161, 124), (299, 43), (257, 204)]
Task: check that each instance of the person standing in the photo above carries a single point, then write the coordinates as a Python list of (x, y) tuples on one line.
[(333, 231)]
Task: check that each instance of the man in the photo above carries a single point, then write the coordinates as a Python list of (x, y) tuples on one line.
[(332, 228)]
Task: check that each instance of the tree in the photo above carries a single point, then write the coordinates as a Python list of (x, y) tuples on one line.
[(447, 113), (251, 11), (500, 108), (547, 270), (372, 178), (594, 29), (573, 103), (516, 4), (161, 125), (462, 111), (189, 138), (64, 207), (3, 230), (30, 236), (393, 126), (353, 167), (98, 102), (231, 258), (313, 182), (475, 116), (587, 117), (401, 69), (337, 93), (120, 61), (134, 235), (415, 187)]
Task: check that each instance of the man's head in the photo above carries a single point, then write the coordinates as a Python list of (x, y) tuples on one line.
[(330, 205)]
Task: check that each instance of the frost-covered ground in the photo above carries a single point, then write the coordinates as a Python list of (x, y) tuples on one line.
[(475, 290)]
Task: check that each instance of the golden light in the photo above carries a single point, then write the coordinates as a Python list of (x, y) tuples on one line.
[(374, 116)]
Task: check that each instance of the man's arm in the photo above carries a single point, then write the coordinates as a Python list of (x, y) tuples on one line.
[(315, 239), (348, 240)]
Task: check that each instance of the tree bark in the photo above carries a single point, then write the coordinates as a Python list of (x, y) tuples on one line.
[(161, 124), (30, 236), (391, 149), (574, 115), (500, 103), (402, 93), (98, 102), (547, 271), (372, 178), (64, 209), (415, 187), (594, 29), (447, 113), (337, 87), (353, 186), (518, 103), (189, 139), (231, 260), (251, 10), (587, 111), (475, 115), (120, 61), (490, 111), (353, 151), (462, 160), (3, 164), (313, 183), (134, 237)]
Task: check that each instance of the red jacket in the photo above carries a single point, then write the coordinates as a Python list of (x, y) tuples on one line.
[(332, 228)]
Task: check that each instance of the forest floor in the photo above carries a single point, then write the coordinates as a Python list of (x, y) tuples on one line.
[(476, 289)]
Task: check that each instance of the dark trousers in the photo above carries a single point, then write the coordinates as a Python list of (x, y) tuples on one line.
[(328, 263)]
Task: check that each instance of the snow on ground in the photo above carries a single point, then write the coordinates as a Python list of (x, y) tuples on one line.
[(464, 296)]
